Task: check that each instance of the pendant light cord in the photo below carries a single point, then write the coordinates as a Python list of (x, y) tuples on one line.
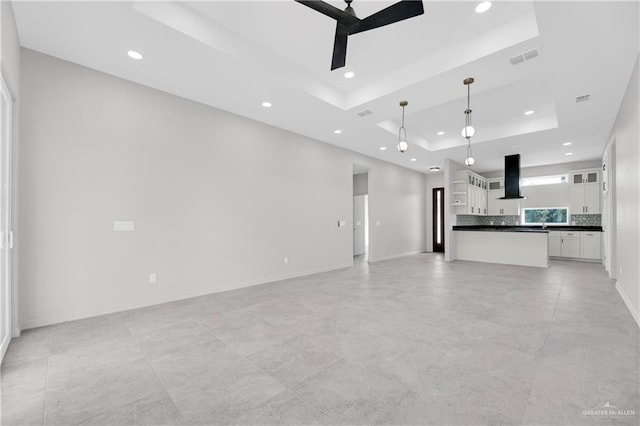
[(402, 129), (468, 122)]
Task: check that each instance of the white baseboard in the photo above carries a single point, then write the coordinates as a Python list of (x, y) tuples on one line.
[(575, 259), (44, 321), (627, 302), (395, 256), (15, 332)]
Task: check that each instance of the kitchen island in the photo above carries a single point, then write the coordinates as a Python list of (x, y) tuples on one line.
[(510, 245)]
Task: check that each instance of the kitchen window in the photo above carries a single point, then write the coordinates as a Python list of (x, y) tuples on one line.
[(545, 215), (545, 180)]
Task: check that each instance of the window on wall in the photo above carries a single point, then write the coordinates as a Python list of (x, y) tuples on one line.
[(545, 180), (546, 215)]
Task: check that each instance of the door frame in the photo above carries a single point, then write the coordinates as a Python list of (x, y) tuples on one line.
[(438, 247), (6, 236)]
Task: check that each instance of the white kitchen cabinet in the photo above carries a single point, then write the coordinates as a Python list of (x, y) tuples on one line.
[(459, 194), (571, 244), (579, 177), (585, 191), (470, 193), (496, 206), (590, 245), (574, 244), (473, 197), (592, 198), (555, 244), (482, 200)]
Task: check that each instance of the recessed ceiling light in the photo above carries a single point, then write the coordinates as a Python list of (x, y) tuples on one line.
[(383, 148), (434, 169), (349, 74), (337, 131), (530, 112), (134, 55), (568, 153), (413, 159), (440, 133), (483, 7), (566, 144), (266, 104)]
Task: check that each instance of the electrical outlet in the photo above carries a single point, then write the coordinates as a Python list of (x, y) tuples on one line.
[(286, 260), (153, 278)]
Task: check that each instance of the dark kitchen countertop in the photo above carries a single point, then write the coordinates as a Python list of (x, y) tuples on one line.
[(525, 228)]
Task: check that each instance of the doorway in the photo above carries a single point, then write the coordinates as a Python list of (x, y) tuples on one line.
[(361, 246), (438, 220), (6, 237)]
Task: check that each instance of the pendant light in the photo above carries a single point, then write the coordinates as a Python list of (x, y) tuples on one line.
[(468, 131), (402, 133)]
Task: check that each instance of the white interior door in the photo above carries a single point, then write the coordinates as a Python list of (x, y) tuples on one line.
[(358, 225), (6, 238)]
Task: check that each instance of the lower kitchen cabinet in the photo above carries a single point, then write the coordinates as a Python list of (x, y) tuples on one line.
[(575, 245), (555, 244), (571, 244), (590, 245)]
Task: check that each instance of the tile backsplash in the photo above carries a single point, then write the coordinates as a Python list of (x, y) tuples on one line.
[(587, 219), (467, 219), (579, 219)]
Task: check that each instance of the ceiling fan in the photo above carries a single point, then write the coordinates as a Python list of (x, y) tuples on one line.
[(348, 23)]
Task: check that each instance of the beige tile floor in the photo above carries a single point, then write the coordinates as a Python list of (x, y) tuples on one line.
[(408, 341)]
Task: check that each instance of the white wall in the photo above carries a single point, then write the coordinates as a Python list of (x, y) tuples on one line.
[(450, 169), (361, 184), (10, 48), (218, 200), (434, 180), (10, 64), (397, 203), (548, 195), (627, 180)]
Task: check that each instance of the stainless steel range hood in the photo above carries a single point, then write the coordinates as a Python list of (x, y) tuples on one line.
[(512, 177)]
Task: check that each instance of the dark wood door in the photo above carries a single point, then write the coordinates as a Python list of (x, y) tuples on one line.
[(438, 220)]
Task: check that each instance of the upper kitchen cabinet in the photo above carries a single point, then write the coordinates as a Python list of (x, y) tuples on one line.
[(585, 191), (496, 206), (470, 193), (579, 177)]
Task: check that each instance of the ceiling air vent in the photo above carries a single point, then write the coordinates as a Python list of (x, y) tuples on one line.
[(526, 56), (365, 113), (516, 60), (583, 98)]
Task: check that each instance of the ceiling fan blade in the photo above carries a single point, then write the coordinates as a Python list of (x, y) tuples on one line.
[(333, 12), (400, 11), (340, 46)]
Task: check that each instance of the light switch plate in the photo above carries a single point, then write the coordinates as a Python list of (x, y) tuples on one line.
[(342, 223), (124, 226)]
